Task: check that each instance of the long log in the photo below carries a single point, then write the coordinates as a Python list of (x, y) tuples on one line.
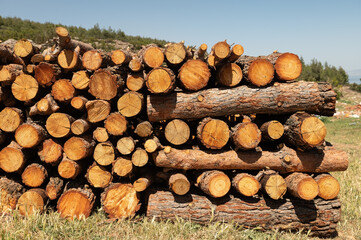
[(318, 216), (281, 98), (283, 161)]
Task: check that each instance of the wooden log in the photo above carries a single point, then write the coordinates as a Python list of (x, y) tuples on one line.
[(29, 69), (104, 153), (116, 124), (77, 148), (54, 188), (246, 135), (318, 218), (25, 48), (246, 184), (135, 81), (98, 176), (257, 71), (135, 64), (151, 145), (221, 50), (229, 75), (46, 74), (69, 59), (318, 98), (273, 184), (283, 161), (272, 130), (79, 126), (175, 53), (44, 106), (100, 134), (140, 157), (58, 125), (32, 201), (305, 131), (120, 200), (122, 167), (10, 193), (177, 132), (213, 133), (120, 57), (37, 58), (214, 183), (8, 73), (160, 80), (80, 80), (34, 175), (7, 56), (29, 135), (95, 59), (302, 186), (144, 129), (24, 88), (78, 102), (194, 75), (152, 56), (287, 65), (66, 42), (328, 186), (62, 90), (50, 152), (69, 169), (142, 183), (200, 53), (10, 119), (76, 203), (12, 158), (51, 53), (179, 183), (130, 104), (97, 110), (126, 145), (103, 85), (236, 52)]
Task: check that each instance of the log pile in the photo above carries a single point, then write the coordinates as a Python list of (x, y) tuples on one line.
[(230, 137)]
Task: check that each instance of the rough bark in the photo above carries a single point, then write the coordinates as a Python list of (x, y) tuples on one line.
[(7, 56), (10, 193), (200, 53), (194, 75), (54, 188)]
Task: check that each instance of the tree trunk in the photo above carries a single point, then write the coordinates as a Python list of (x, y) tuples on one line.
[(34, 175), (318, 98), (246, 184), (152, 56), (302, 186), (179, 183), (54, 188), (141, 184), (126, 145), (32, 201), (10, 193), (12, 158), (62, 90), (246, 135), (98, 176), (100, 134), (120, 200), (95, 59), (144, 129), (29, 135), (160, 80), (79, 126), (50, 152), (256, 70), (10, 119), (8, 73), (194, 75), (24, 88), (120, 57), (104, 153), (319, 216), (214, 183), (68, 169), (122, 167), (45, 106), (77, 148), (175, 53), (272, 130), (135, 81), (177, 132), (116, 124), (272, 184), (287, 65), (97, 110), (140, 157), (213, 133), (46, 74), (283, 161), (80, 80), (328, 186), (229, 75), (236, 52), (58, 125)]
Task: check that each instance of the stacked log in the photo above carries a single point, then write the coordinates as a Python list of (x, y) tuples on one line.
[(226, 130)]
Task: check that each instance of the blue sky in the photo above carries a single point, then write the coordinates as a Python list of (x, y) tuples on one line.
[(326, 30)]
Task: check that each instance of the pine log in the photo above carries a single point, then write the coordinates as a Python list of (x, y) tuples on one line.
[(12, 158), (283, 161), (51, 53), (328, 186), (32, 201), (135, 64), (95, 59), (8, 73), (135, 81), (281, 98), (98, 176), (200, 53), (151, 145), (58, 125), (76, 203), (126, 145), (97, 110), (246, 184), (175, 53), (44, 106), (229, 75), (29, 135), (68, 169), (140, 157), (179, 183), (221, 50), (34, 175), (257, 70), (246, 135), (25, 48), (305, 131), (104, 153), (120, 57), (236, 52), (320, 217), (287, 65), (152, 56), (302, 186), (160, 80), (7, 56), (177, 132), (213, 133), (69, 59), (79, 126), (100, 134), (46, 73), (50, 152), (141, 184), (214, 183), (37, 58), (130, 104), (103, 85), (29, 69), (80, 80), (194, 75), (54, 188), (77, 148), (10, 193), (272, 130), (122, 167), (62, 90), (120, 200), (10, 119), (116, 124), (25, 87), (78, 102), (144, 129), (273, 184), (66, 42)]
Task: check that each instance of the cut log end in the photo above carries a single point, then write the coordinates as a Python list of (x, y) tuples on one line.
[(160, 80), (58, 125), (230, 75), (260, 72), (51, 152), (68, 59), (221, 50), (25, 87), (68, 169), (77, 148), (119, 57), (54, 188), (98, 176), (144, 129), (12, 158), (313, 131), (103, 85), (247, 136), (100, 134), (130, 104), (135, 82), (10, 119), (34, 175), (328, 186), (23, 48), (179, 184), (274, 185), (104, 153), (194, 75), (29, 135), (80, 80), (177, 132), (288, 67), (153, 57), (46, 73), (122, 167), (141, 184), (97, 110), (92, 60), (175, 53), (214, 183), (126, 145), (140, 157), (213, 133), (79, 126), (246, 184), (32, 201), (272, 130), (302, 186), (62, 90), (135, 65), (116, 124)]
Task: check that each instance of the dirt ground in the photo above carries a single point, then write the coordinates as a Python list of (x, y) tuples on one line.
[(349, 105)]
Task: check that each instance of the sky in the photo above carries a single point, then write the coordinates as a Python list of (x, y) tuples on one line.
[(325, 30)]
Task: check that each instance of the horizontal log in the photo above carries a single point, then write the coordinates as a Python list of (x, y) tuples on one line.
[(280, 98)]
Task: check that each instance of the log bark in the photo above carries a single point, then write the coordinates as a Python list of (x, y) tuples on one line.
[(104, 153), (10, 193), (69, 169), (177, 132), (122, 167), (44, 106), (273, 184), (283, 161), (229, 75), (246, 184), (246, 135), (8, 73), (213, 133), (140, 157), (302, 186), (160, 80), (25, 87), (98, 176), (66, 42), (130, 104), (103, 85), (175, 53), (287, 65), (120, 200), (77, 148), (79, 126), (257, 70), (194, 75), (95, 59), (214, 183), (116, 124), (29, 135), (318, 98), (12, 158), (32, 201), (46, 73), (135, 81), (120, 57), (179, 183), (126, 145), (80, 80), (54, 188), (58, 125), (272, 130), (319, 216), (100, 134), (328, 186), (152, 56), (25, 48), (144, 129), (50, 152), (10, 119), (97, 110)]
